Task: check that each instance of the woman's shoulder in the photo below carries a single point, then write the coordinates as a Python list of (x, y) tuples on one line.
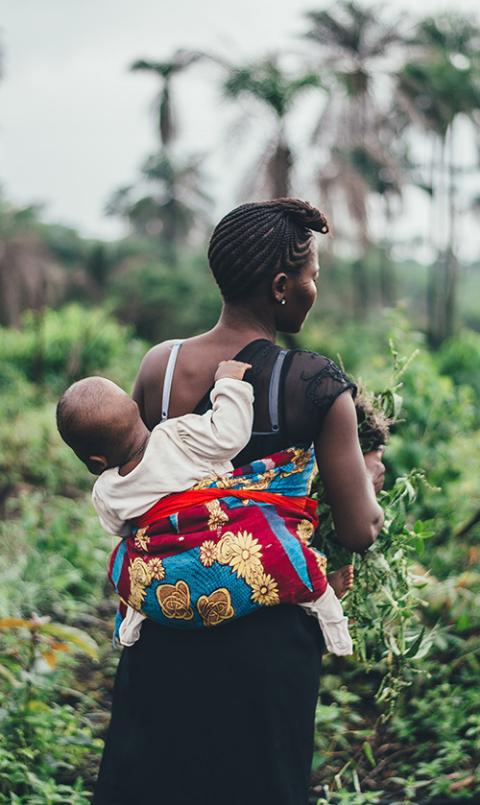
[(317, 379), (153, 366), (307, 361), (155, 359), (148, 384)]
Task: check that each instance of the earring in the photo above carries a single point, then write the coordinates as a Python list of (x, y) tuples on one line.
[(283, 302)]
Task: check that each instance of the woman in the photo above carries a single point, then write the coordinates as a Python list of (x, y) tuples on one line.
[(225, 716)]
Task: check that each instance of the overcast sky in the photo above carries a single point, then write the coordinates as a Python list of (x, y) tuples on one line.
[(75, 123)]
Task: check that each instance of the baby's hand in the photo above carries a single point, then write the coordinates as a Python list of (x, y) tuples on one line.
[(234, 369)]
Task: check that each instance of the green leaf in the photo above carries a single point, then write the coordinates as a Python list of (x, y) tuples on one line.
[(368, 752), (414, 648), (71, 634)]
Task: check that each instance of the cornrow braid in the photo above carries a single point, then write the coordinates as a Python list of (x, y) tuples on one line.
[(255, 241)]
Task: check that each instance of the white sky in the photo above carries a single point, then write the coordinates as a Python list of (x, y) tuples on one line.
[(75, 123)]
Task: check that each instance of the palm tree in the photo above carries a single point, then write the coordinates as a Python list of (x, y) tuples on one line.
[(166, 71), (169, 202), (266, 83), (382, 169), (353, 43), (435, 89)]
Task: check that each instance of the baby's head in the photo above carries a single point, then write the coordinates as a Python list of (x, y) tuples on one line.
[(373, 422), (100, 422)]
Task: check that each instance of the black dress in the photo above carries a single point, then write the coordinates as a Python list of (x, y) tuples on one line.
[(226, 716)]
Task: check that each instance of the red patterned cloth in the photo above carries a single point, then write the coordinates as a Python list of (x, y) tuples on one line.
[(205, 556)]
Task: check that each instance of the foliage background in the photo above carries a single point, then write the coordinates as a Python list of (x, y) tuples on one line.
[(392, 100)]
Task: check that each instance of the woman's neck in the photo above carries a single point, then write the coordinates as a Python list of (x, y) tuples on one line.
[(244, 322)]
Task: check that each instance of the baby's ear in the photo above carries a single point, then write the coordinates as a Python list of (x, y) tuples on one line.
[(96, 464)]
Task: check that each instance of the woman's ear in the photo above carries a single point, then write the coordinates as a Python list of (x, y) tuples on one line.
[(96, 464), (279, 287)]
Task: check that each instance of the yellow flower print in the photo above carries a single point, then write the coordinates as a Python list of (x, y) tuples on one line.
[(140, 577), (304, 531), (225, 548), (298, 462), (205, 482), (262, 482), (208, 553), (174, 600), (216, 607), (140, 572), (217, 517), (156, 568), (300, 459), (135, 599), (141, 540), (246, 556), (265, 590), (321, 562), (313, 474), (225, 482)]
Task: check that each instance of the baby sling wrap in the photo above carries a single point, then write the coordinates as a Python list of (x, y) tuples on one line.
[(227, 547)]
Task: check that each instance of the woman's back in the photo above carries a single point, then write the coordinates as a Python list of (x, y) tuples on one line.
[(224, 715), (294, 389)]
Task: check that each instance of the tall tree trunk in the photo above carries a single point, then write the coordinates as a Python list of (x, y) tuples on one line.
[(166, 129), (279, 169), (451, 263), (388, 284), (433, 244), (444, 277), (40, 346), (361, 296), (438, 271), (170, 233), (10, 307)]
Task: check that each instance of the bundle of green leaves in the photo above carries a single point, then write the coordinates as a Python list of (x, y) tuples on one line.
[(383, 606)]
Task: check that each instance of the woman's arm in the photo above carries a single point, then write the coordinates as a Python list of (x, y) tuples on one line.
[(349, 479)]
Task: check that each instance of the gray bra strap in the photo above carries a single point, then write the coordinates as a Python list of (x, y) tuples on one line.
[(274, 389), (167, 383)]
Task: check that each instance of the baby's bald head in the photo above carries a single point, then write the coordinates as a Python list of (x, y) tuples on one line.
[(96, 418)]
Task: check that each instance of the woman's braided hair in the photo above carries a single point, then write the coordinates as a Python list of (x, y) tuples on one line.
[(258, 240)]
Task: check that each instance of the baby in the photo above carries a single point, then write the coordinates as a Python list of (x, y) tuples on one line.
[(137, 468)]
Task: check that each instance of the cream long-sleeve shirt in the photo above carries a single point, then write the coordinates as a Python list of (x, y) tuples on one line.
[(180, 453)]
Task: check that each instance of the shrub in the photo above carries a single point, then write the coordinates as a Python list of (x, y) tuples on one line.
[(459, 358), (56, 347), (164, 303)]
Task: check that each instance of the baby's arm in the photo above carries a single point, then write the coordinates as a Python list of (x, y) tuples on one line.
[(220, 434)]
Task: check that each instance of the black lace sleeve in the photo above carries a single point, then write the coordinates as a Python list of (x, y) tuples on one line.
[(324, 381), (312, 384)]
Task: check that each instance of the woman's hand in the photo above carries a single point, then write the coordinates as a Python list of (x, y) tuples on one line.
[(375, 467)]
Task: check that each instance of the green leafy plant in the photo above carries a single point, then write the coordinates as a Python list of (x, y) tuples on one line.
[(43, 744), (383, 605)]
